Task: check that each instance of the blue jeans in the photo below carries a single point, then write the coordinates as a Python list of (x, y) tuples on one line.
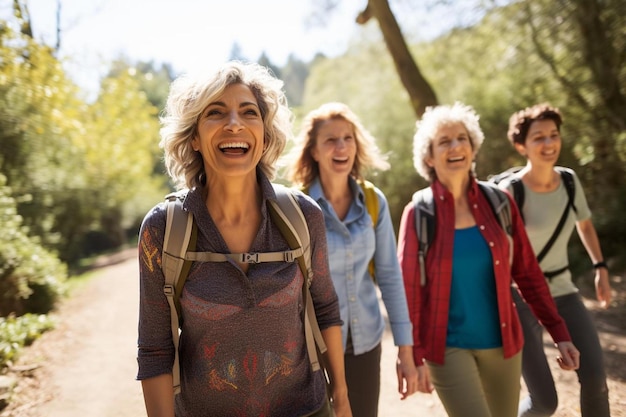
[(542, 400)]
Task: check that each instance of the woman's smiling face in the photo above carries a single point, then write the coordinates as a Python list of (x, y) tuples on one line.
[(335, 147), (451, 151), (230, 133)]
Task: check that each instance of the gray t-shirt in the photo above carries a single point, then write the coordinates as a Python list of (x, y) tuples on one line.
[(542, 212)]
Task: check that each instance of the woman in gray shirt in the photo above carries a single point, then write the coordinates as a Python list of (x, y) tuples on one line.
[(535, 134)]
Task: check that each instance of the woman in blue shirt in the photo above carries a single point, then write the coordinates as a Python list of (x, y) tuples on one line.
[(331, 153)]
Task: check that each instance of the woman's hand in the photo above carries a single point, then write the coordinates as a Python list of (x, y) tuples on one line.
[(341, 404), (423, 380), (406, 371), (570, 356)]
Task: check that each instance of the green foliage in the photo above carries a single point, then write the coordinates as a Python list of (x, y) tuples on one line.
[(119, 164), (497, 67), (31, 278), (17, 332), (377, 97), (153, 80), (74, 168), (294, 74), (39, 117)]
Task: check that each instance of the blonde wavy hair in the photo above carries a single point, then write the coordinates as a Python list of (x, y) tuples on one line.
[(304, 169), (189, 96), (432, 120)]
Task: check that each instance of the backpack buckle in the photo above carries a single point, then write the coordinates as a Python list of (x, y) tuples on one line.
[(250, 258), (168, 289), (289, 256)]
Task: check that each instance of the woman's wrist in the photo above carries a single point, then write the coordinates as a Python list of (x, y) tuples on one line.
[(600, 264)]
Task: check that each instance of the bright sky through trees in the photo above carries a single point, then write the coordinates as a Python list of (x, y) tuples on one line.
[(189, 34)]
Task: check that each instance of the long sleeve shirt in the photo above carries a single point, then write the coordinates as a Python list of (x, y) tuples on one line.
[(352, 242), (429, 305), (242, 345)]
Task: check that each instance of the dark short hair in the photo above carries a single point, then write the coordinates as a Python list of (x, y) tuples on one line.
[(520, 121)]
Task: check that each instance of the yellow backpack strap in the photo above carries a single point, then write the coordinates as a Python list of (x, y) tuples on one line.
[(371, 203)]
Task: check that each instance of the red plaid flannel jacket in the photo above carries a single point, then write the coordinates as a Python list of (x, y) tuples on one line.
[(429, 305)]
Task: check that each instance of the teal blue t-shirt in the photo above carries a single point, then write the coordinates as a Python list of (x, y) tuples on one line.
[(473, 321)]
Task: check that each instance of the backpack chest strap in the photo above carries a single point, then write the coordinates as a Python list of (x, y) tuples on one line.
[(249, 257)]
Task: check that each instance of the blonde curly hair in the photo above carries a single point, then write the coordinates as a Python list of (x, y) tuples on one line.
[(190, 95)]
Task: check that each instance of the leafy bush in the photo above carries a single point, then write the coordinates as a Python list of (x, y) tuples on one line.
[(17, 332), (31, 278)]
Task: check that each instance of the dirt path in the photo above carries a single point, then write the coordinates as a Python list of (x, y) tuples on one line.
[(87, 365)]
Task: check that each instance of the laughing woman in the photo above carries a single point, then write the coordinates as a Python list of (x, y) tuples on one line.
[(331, 154), (535, 132), (242, 344), (468, 338)]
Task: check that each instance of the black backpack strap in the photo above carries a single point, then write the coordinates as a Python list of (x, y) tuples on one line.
[(570, 188), (555, 235), (518, 194), (424, 209)]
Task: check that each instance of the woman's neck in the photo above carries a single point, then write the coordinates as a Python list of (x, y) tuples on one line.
[(539, 178), (457, 187), (233, 200), (337, 191)]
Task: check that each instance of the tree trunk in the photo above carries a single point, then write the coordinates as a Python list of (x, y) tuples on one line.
[(420, 92)]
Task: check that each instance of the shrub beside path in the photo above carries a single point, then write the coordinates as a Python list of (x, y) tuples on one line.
[(87, 365)]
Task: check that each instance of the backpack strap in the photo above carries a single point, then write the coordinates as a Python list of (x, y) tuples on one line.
[(180, 236), (178, 254), (248, 257), (518, 193), (372, 205), (424, 210), (570, 187), (288, 217), (501, 207)]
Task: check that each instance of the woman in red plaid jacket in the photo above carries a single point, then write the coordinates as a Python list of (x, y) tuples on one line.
[(467, 335)]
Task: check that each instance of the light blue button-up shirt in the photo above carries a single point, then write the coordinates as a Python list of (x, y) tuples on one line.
[(351, 245)]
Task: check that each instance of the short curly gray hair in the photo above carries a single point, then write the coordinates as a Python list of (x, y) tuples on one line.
[(189, 96), (432, 120)]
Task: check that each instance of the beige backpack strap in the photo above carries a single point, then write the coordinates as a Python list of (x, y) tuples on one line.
[(288, 217), (250, 258), (178, 231)]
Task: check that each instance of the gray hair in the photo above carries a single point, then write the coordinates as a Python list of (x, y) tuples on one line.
[(189, 96), (432, 120)]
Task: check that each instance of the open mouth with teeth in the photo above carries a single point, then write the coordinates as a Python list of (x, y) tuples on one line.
[(234, 148), (338, 160), (456, 159)]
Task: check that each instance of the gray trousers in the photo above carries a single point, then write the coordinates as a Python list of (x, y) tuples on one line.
[(542, 400)]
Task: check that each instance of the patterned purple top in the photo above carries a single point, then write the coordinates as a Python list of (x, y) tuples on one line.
[(242, 346)]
